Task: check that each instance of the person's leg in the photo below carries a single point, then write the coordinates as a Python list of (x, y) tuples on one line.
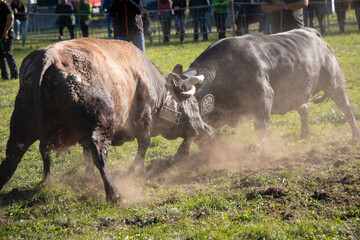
[(177, 23), (320, 14), (24, 26), (196, 25), (217, 23), (71, 31), (182, 28), (10, 58), (203, 27), (222, 25), (17, 25), (86, 28), (168, 28), (61, 31), (3, 67), (311, 15), (138, 40), (108, 21), (82, 27), (357, 11)]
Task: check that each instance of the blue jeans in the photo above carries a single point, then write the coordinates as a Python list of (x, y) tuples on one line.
[(138, 40), (109, 23), (23, 25), (180, 21), (199, 19)]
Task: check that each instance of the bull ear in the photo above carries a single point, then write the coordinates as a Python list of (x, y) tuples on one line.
[(178, 69), (174, 79)]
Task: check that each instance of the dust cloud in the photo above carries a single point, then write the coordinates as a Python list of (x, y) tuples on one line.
[(237, 150)]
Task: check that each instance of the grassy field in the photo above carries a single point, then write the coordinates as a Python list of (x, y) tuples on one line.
[(307, 189)]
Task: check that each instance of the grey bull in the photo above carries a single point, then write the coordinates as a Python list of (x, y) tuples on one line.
[(259, 75)]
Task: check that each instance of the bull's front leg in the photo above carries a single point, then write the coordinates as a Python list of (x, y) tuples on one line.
[(303, 111), (262, 111), (183, 150), (138, 167)]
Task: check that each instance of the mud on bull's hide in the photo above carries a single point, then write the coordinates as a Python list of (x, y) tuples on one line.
[(98, 93)]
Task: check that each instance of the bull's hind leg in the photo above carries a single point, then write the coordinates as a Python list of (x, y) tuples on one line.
[(303, 111), (16, 148), (45, 154), (343, 102), (98, 146)]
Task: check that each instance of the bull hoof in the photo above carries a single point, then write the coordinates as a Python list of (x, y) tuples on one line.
[(115, 198), (305, 135), (136, 170)]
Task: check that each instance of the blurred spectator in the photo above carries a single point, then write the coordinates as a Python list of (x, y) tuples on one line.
[(198, 9), (356, 7), (340, 9), (208, 16), (220, 14), (285, 15), (319, 8), (21, 20), (242, 25), (105, 7), (147, 24), (179, 7), (6, 42), (128, 24), (165, 11), (67, 20), (83, 8)]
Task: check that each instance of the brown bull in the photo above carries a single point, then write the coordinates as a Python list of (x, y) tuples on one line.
[(98, 93)]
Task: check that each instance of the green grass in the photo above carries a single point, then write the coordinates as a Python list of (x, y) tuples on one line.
[(308, 189)]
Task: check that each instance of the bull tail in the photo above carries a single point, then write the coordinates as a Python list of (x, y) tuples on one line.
[(46, 61), (37, 80), (318, 99)]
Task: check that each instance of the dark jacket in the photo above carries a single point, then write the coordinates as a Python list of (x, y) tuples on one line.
[(127, 17), (66, 20), (22, 10), (179, 7)]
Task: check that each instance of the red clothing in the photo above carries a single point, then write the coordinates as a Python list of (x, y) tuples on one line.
[(164, 5)]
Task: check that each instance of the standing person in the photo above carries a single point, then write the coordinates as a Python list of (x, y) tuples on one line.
[(145, 17), (285, 15), (6, 42), (83, 8), (179, 7), (198, 9), (356, 6), (220, 14), (164, 7), (67, 20), (317, 8), (21, 20), (340, 9), (105, 6), (128, 25)]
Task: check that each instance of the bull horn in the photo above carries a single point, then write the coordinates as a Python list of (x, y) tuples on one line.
[(190, 92), (191, 81)]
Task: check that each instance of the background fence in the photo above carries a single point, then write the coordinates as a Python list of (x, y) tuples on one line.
[(43, 20)]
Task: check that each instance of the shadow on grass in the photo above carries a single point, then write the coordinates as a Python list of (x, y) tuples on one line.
[(27, 195)]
